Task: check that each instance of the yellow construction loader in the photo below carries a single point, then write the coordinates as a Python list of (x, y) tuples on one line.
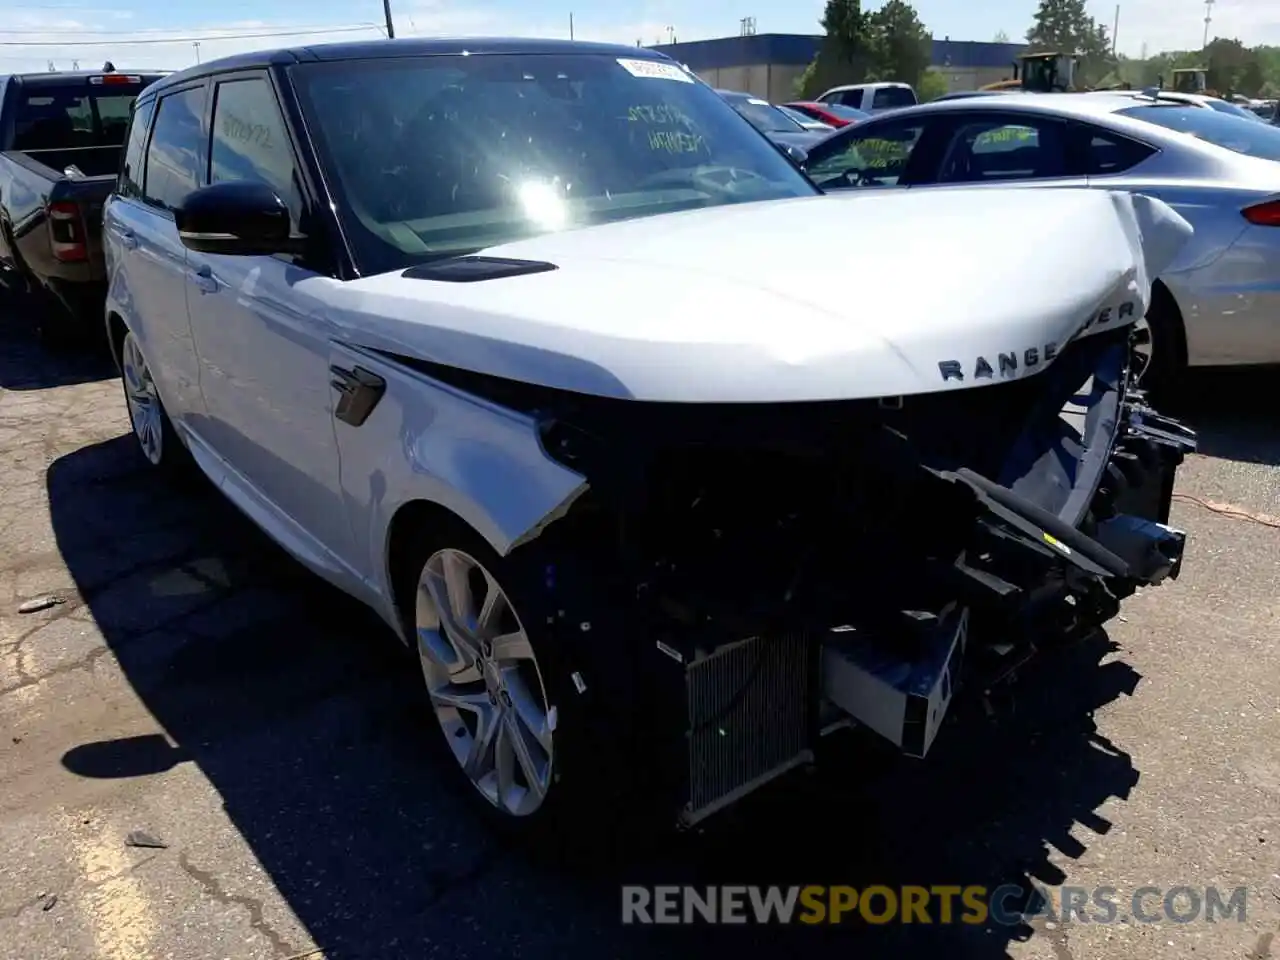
[(1040, 73), (1190, 80)]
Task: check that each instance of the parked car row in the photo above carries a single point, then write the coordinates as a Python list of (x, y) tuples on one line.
[(1217, 302), (524, 345)]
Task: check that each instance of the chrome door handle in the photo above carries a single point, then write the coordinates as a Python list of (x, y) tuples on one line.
[(205, 280), (128, 239)]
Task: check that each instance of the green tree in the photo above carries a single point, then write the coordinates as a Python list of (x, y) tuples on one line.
[(899, 47), (1065, 26), (932, 85), (1232, 67), (843, 54), (845, 26)]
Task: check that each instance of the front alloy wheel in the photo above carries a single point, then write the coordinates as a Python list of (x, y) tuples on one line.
[(484, 682), (1144, 348)]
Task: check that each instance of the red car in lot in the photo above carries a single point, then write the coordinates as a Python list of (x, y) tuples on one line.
[(833, 114)]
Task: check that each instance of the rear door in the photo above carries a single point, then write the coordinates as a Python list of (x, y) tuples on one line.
[(146, 259), (999, 149)]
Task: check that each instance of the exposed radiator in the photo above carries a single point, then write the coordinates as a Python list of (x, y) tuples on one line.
[(749, 718)]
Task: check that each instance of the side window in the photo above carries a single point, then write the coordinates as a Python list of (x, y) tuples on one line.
[(890, 98), (250, 142), (173, 158), (991, 150), (1109, 153), (130, 184), (851, 98), (875, 158)]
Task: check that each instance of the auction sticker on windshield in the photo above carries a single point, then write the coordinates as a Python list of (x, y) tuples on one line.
[(654, 70)]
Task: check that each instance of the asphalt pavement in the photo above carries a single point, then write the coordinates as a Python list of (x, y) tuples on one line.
[(207, 753)]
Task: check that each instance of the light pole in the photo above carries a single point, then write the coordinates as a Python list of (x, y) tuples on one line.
[(391, 27), (196, 45)]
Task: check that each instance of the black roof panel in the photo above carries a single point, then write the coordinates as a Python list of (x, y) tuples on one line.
[(407, 47)]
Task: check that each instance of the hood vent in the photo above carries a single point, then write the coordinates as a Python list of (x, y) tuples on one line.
[(475, 269)]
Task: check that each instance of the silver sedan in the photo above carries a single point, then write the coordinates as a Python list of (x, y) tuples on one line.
[(1219, 303)]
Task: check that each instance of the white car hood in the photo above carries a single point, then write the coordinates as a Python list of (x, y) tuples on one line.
[(813, 299)]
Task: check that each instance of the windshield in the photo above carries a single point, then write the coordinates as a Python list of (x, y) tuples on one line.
[(444, 155), (845, 112), (1252, 139), (763, 115), (804, 120)]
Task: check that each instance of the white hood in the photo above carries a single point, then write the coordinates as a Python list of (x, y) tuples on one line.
[(860, 295)]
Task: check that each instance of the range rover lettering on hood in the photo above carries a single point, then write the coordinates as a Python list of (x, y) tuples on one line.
[(1007, 363), (1032, 357)]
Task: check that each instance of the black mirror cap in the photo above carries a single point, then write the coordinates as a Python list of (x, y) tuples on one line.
[(235, 217)]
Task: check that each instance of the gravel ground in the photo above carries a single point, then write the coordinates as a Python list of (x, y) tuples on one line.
[(270, 742)]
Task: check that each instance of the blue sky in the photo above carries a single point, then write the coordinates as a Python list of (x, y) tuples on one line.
[(89, 31)]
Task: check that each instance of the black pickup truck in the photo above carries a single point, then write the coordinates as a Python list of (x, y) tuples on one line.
[(61, 136)]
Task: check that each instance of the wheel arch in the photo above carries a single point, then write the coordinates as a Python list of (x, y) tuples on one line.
[(1165, 306), (407, 523), (117, 330)]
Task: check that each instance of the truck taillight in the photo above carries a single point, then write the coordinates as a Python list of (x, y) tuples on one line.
[(1263, 214), (112, 79), (67, 234)]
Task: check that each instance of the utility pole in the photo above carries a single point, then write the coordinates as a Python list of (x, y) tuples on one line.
[(571, 25), (391, 27), (196, 44), (1208, 19), (1115, 31)]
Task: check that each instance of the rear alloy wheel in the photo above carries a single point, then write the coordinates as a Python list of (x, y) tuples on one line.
[(485, 683), (152, 429)]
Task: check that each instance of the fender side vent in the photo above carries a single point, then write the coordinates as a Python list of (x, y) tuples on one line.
[(474, 269)]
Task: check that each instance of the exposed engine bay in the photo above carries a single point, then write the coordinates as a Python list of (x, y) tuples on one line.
[(778, 567)]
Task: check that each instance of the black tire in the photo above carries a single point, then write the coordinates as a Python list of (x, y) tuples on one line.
[(161, 448), (588, 799), (1168, 350)]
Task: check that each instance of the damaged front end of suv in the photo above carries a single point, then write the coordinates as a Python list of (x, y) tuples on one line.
[(765, 572)]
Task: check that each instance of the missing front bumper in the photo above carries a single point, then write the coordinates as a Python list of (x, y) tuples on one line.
[(905, 701), (900, 683)]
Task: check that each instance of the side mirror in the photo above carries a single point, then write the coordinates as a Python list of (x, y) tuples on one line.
[(795, 155), (237, 218)]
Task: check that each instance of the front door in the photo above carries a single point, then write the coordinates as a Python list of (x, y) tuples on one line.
[(877, 154), (263, 342)]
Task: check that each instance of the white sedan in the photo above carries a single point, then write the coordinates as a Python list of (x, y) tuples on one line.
[(1217, 303)]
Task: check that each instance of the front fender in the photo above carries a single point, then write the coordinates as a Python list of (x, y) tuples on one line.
[(428, 441)]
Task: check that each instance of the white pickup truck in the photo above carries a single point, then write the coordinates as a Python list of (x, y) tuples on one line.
[(872, 97)]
